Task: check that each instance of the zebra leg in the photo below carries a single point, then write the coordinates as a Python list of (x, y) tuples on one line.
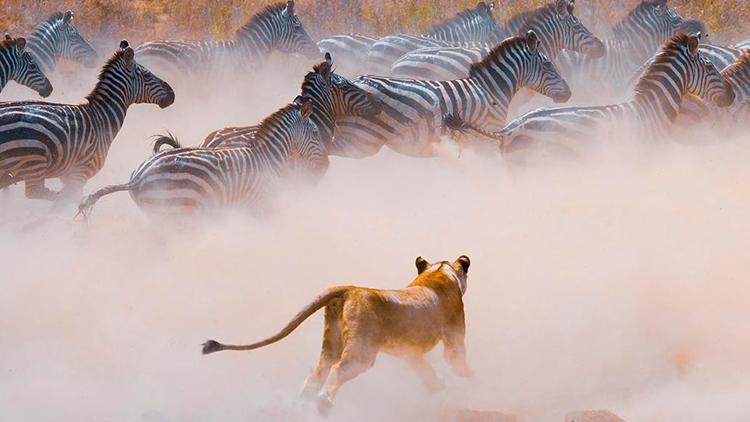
[(85, 207), (35, 189)]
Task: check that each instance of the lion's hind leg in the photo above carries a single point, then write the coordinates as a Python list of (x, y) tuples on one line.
[(330, 353), (356, 358), (427, 373)]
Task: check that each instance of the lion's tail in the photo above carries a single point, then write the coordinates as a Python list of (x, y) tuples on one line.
[(321, 301)]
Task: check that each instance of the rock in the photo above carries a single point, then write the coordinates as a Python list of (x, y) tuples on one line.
[(593, 416)]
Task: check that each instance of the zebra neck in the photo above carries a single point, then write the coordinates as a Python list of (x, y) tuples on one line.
[(501, 90), (655, 111), (107, 109), (4, 76), (44, 46), (254, 41)]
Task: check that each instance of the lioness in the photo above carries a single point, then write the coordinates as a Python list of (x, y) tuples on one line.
[(361, 322)]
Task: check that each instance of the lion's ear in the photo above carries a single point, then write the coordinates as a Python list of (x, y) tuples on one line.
[(464, 262), (421, 265)]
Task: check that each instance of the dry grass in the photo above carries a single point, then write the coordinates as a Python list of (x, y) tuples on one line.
[(141, 20)]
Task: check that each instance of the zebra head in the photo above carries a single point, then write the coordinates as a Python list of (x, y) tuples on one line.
[(703, 79), (540, 74), (679, 68), (574, 35), (647, 26), (334, 96), (72, 45), (308, 156), (292, 37), (336, 93), (25, 70), (139, 84)]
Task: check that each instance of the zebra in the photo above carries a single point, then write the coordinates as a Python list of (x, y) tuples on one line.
[(40, 141), (557, 27), (204, 180), (414, 110), (276, 27), (350, 50), (679, 69), (471, 28), (332, 96), (17, 64), (637, 37), (56, 37)]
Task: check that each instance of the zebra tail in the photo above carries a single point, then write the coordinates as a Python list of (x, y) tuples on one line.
[(168, 139), (87, 205)]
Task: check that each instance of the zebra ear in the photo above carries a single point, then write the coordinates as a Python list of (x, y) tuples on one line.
[(421, 264), (492, 6), (20, 43), (693, 41), (124, 44), (532, 42), (326, 67), (129, 56), (68, 16), (289, 9), (8, 37)]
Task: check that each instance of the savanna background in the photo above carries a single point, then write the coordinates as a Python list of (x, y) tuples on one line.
[(617, 283)]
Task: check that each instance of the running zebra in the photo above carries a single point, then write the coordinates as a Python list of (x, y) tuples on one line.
[(557, 26), (414, 111), (17, 64), (679, 69), (350, 50), (637, 37), (40, 141), (332, 96), (204, 180), (471, 28), (275, 28), (56, 37)]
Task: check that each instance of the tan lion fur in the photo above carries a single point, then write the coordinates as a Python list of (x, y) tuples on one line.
[(361, 322)]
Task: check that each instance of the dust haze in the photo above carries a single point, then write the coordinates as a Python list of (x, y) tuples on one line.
[(618, 283)]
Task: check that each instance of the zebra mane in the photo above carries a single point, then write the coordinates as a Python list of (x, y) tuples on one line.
[(105, 69), (624, 24), (482, 9), (269, 123), (665, 55), (265, 13), (499, 50), (55, 17), (741, 67), (532, 15)]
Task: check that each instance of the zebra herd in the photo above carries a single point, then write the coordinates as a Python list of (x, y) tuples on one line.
[(458, 77)]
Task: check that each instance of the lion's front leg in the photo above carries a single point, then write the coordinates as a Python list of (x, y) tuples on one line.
[(427, 373), (455, 352)]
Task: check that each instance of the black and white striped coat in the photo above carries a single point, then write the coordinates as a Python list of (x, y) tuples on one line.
[(275, 28), (414, 110), (203, 180), (555, 24), (333, 97), (40, 141), (679, 69), (56, 38), (471, 28), (17, 64)]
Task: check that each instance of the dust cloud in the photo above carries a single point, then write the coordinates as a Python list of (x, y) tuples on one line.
[(612, 283)]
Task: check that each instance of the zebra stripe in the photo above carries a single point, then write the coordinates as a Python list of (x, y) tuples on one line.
[(56, 37), (190, 180), (557, 26), (41, 141), (349, 50), (17, 64), (679, 69), (743, 45), (276, 27), (471, 28), (332, 97), (413, 110)]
